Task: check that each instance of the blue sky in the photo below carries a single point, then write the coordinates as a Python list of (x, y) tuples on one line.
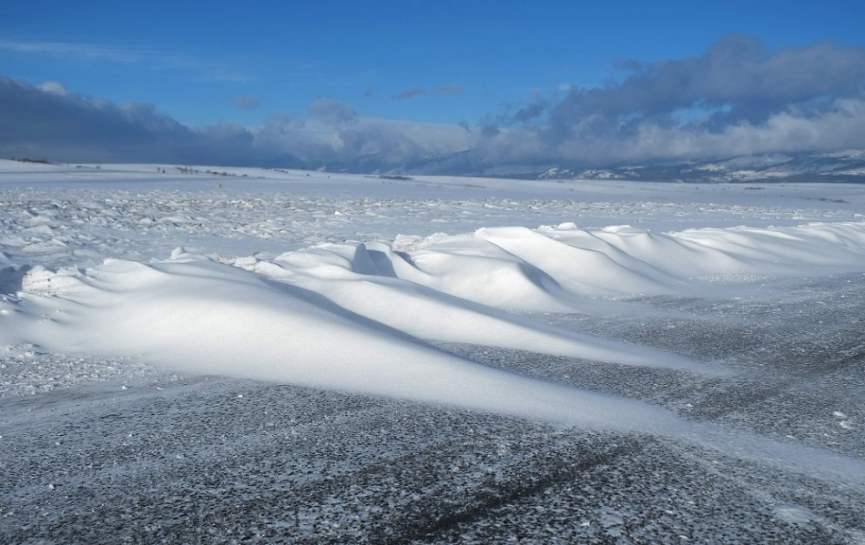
[(483, 65)]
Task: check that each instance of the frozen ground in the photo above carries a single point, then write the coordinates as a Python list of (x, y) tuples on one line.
[(704, 385)]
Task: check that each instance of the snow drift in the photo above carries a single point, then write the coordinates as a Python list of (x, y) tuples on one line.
[(206, 317), (353, 316)]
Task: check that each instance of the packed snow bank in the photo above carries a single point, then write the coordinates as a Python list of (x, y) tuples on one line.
[(202, 316)]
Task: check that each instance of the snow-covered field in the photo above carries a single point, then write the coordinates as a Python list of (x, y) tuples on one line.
[(201, 354)]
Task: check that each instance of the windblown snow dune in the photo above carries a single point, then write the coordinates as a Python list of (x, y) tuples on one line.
[(362, 278), (555, 269), (349, 316), (202, 316), (550, 265)]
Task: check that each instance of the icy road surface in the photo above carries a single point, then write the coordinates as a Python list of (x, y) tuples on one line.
[(439, 359)]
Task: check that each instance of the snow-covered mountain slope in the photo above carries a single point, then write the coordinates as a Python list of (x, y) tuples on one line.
[(840, 166), (846, 167)]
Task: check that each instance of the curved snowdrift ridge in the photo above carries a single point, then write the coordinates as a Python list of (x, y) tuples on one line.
[(202, 316), (349, 316), (347, 275), (549, 267), (554, 269)]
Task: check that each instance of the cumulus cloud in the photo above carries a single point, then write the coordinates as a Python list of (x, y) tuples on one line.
[(736, 71), (736, 79), (737, 98), (529, 112), (54, 87), (40, 122), (246, 103), (332, 111), (364, 143), (411, 93), (46, 123), (836, 126)]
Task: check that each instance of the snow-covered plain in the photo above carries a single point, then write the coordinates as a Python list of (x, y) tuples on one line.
[(584, 324)]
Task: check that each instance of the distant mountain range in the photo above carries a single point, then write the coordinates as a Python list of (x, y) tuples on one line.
[(843, 166), (846, 166)]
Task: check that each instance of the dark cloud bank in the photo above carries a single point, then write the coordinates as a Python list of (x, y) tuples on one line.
[(735, 99)]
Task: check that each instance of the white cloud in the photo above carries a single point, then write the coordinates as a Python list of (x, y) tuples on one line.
[(838, 126), (53, 87), (800, 99)]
